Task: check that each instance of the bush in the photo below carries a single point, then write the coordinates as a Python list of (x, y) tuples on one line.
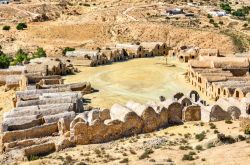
[(247, 131), (211, 21), (212, 126), (209, 16), (239, 13), (226, 7), (200, 136), (226, 139), (221, 22), (33, 157), (39, 53), (146, 153), (4, 61), (21, 26), (125, 160), (216, 131), (228, 122), (210, 145), (7, 28), (192, 153), (68, 49), (199, 147), (185, 148), (245, 25), (187, 157), (86, 4), (241, 138), (20, 57)]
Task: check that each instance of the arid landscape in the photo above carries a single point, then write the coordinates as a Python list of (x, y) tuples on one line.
[(125, 82)]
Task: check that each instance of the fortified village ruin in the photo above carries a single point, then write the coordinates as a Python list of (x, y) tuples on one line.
[(49, 115)]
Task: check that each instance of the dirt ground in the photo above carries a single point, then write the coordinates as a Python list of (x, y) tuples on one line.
[(140, 80), (165, 148)]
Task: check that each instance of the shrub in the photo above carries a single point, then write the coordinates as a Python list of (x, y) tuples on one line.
[(20, 57), (216, 131), (187, 157), (210, 145), (245, 25), (69, 158), (192, 153), (211, 21), (199, 147), (86, 4), (239, 13), (4, 61), (209, 16), (226, 139), (187, 135), (241, 138), (125, 160), (185, 148), (21, 26), (67, 49), (33, 157), (228, 122), (203, 159), (200, 136), (7, 28), (39, 53), (169, 160), (146, 153), (212, 126), (221, 22), (247, 131), (226, 7)]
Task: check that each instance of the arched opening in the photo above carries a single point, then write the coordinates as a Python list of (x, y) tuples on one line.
[(194, 96), (192, 57), (248, 110), (224, 92), (218, 91), (237, 94)]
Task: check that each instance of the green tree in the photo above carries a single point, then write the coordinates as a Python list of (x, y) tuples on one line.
[(4, 61), (226, 7), (40, 52), (20, 57), (21, 26), (239, 13), (7, 28)]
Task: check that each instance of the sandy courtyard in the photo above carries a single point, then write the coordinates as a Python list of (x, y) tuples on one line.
[(140, 80)]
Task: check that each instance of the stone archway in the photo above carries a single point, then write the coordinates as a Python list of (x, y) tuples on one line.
[(194, 95)]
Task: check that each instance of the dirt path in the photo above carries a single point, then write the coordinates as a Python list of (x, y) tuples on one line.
[(24, 11)]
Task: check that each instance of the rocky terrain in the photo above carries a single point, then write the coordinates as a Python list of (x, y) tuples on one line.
[(91, 24)]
